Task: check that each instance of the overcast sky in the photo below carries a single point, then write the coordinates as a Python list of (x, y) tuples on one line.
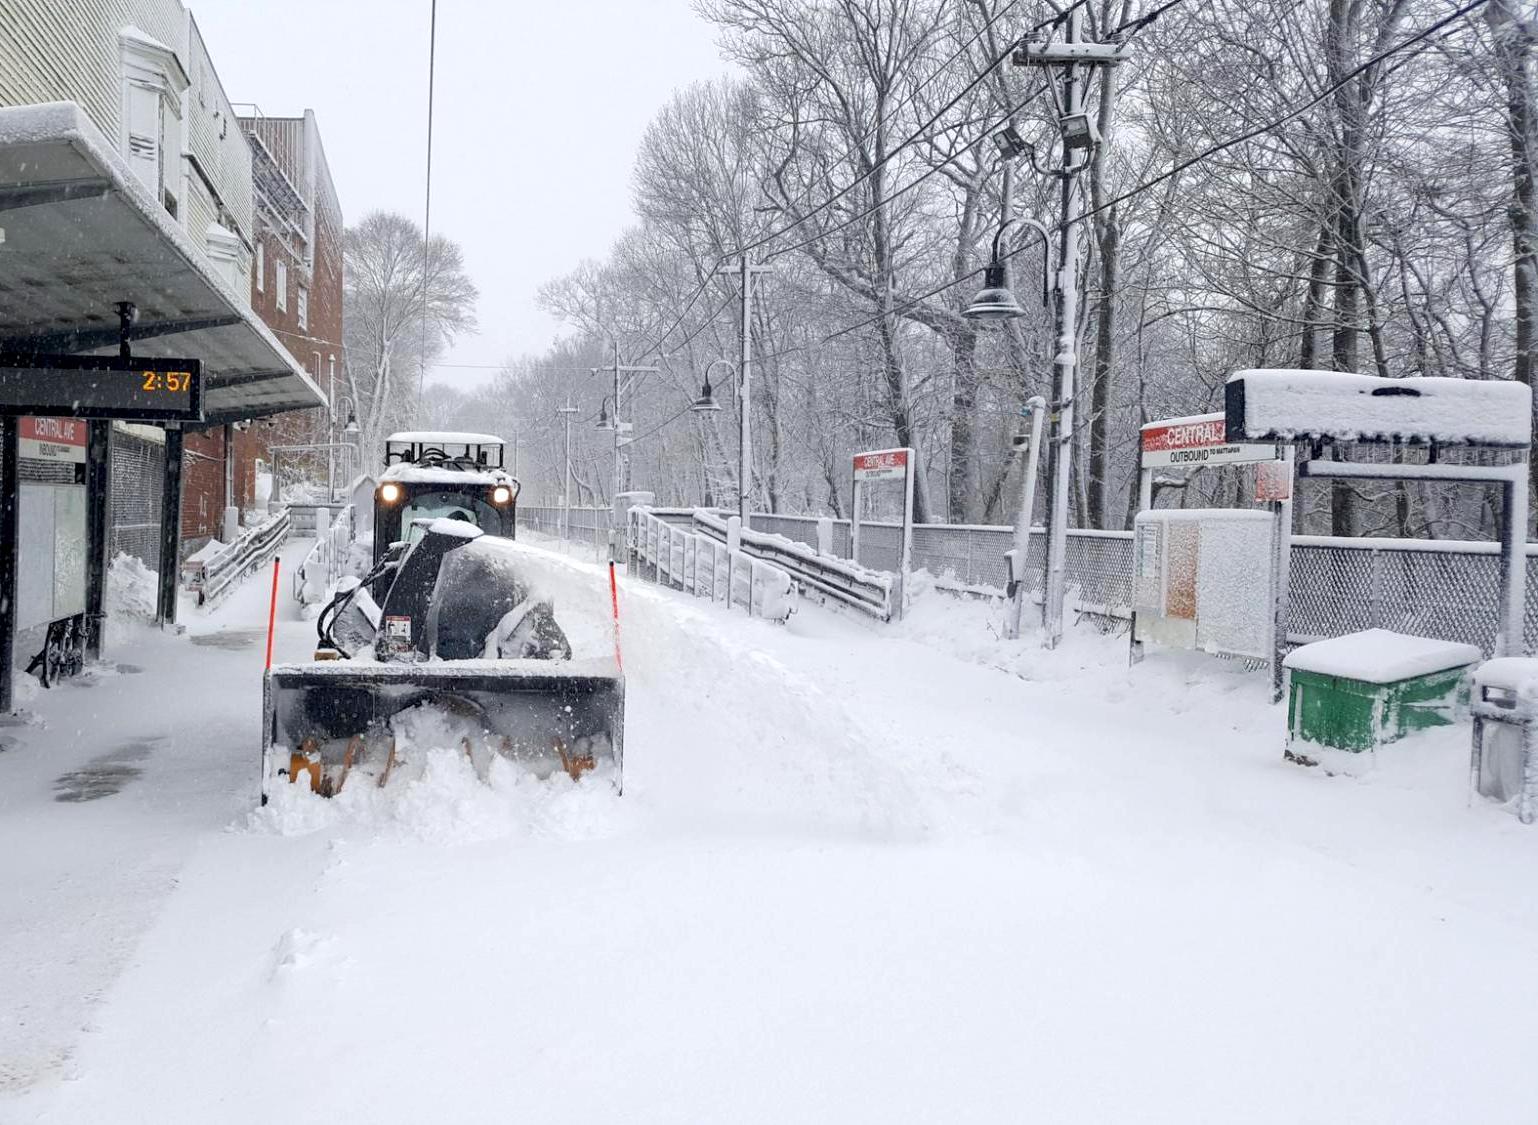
[(539, 108)]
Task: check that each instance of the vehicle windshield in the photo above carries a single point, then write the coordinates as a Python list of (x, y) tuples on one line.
[(446, 504)]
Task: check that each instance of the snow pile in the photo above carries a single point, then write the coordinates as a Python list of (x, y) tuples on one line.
[(133, 592), (1347, 406), (437, 794), (207, 552)]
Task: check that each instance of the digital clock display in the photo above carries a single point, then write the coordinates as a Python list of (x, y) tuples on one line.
[(146, 390)]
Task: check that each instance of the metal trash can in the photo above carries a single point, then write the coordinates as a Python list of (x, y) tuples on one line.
[(1502, 764), (1368, 689)]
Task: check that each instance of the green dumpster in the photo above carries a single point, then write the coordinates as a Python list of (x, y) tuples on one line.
[(1367, 689)]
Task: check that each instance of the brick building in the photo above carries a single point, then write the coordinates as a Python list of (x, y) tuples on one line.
[(296, 288)]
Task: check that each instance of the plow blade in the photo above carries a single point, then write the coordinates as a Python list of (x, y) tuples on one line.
[(325, 721)]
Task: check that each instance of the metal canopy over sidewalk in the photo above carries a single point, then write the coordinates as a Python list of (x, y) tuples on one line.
[(91, 262), (81, 234)]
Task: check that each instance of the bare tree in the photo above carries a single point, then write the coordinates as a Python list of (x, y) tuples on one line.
[(403, 304)]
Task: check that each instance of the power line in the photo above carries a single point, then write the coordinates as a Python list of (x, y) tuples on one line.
[(933, 171), (1296, 111), (894, 194), (1133, 26), (427, 205), (1409, 41), (1205, 154), (915, 137)]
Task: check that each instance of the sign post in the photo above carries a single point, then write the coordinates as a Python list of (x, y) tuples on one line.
[(874, 467)]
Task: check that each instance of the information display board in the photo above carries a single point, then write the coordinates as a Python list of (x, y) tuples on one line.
[(73, 386)]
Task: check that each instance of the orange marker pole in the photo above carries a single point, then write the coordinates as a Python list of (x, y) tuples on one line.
[(272, 611), (614, 600)]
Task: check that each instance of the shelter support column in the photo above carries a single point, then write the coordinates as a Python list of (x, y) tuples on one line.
[(10, 508), (1511, 641), (98, 500), (170, 527)]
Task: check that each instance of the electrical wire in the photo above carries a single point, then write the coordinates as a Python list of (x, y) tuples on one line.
[(1296, 111), (913, 138), (1205, 154), (427, 204)]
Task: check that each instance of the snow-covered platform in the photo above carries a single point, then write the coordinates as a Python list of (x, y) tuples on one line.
[(911, 873)]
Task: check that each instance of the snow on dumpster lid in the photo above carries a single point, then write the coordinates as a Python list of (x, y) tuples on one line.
[(1345, 406), (1380, 656)]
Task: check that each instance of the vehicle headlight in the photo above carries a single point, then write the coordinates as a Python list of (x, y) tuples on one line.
[(501, 494), (389, 492)]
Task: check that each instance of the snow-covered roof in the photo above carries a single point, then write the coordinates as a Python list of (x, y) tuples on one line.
[(1380, 656), (407, 472), (442, 437), (106, 238), (1346, 406)]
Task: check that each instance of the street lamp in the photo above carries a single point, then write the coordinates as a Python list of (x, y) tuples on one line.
[(350, 433), (995, 301), (707, 403), (604, 422)]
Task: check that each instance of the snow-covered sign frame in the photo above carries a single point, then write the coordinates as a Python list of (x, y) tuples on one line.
[(885, 466), (1203, 441), (1319, 407)]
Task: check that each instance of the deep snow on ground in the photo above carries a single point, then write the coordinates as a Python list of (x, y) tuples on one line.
[(913, 873)]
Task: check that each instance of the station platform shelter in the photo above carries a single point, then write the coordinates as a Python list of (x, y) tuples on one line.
[(109, 313)]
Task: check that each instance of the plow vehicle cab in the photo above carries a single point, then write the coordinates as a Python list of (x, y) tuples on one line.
[(442, 475)]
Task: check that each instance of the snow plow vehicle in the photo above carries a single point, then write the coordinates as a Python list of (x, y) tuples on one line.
[(451, 641)]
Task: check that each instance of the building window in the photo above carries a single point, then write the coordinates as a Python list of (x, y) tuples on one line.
[(280, 285), (152, 84), (302, 310), (261, 267)]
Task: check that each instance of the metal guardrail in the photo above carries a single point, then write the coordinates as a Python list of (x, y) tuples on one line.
[(1435, 588), (212, 578), (322, 566), (824, 576), (304, 515), (707, 568)]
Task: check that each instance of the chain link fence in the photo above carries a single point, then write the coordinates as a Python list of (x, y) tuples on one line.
[(1432, 588), (138, 475), (589, 526)]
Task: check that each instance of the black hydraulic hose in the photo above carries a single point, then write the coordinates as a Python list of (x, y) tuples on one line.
[(337, 604)]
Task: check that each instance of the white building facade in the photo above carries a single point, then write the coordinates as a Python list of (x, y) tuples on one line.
[(141, 72)]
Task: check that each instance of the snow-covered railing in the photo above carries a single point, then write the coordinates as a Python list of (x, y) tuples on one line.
[(827, 577), (214, 576), (707, 568), (305, 514), (322, 566)]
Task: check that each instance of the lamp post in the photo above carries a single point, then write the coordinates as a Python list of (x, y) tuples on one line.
[(707, 404), (350, 433), (621, 429), (996, 302), (566, 413)]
